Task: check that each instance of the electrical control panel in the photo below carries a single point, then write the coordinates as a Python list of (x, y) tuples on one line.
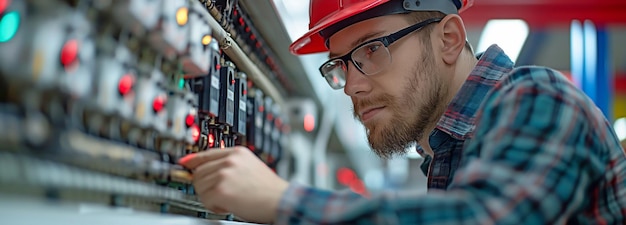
[(107, 96)]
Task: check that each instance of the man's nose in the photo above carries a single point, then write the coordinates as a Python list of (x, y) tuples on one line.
[(357, 83)]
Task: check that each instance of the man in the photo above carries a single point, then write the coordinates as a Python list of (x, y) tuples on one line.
[(506, 145)]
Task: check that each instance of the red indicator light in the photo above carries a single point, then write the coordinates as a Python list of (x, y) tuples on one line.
[(211, 140), (345, 176), (125, 84), (218, 66), (69, 52), (4, 4), (195, 133), (358, 187), (241, 22), (158, 103), (245, 92), (261, 108), (309, 123), (190, 120)]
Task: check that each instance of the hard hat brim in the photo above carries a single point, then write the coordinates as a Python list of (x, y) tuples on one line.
[(313, 42)]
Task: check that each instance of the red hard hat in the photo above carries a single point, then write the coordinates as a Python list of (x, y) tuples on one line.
[(325, 14)]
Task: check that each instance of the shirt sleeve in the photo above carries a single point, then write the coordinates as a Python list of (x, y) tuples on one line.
[(535, 152)]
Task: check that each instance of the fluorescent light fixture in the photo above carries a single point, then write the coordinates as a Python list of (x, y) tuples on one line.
[(509, 34), (295, 16), (620, 128)]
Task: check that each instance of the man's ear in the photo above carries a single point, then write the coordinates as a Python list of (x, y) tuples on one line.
[(452, 37)]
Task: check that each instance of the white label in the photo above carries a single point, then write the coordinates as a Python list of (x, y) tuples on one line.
[(231, 95), (242, 105), (215, 82)]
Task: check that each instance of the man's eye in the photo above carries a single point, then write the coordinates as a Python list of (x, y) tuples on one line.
[(373, 48)]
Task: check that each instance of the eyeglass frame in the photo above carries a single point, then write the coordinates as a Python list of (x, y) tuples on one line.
[(386, 40)]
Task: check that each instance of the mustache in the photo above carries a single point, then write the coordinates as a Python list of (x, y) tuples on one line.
[(358, 104)]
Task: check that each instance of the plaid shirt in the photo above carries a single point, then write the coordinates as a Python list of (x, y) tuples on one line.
[(535, 150)]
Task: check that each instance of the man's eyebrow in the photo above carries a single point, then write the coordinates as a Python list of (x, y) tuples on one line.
[(358, 41)]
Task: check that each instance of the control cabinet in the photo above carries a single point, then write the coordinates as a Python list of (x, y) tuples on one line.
[(100, 99)]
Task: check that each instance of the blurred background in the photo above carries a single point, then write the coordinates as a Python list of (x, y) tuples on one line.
[(100, 98)]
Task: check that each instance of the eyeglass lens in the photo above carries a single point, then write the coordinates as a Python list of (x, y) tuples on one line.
[(370, 59)]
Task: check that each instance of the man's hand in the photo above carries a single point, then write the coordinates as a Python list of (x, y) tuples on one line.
[(235, 180)]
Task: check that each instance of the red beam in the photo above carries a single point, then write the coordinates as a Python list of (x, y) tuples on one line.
[(539, 13), (620, 84)]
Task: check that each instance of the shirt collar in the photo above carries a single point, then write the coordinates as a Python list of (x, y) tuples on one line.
[(459, 118)]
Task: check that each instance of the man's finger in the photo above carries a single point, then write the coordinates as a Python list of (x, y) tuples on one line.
[(194, 160), (210, 167)]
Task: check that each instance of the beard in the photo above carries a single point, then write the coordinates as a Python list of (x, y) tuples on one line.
[(411, 114)]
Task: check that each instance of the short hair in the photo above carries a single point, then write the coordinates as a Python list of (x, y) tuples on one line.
[(416, 17)]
